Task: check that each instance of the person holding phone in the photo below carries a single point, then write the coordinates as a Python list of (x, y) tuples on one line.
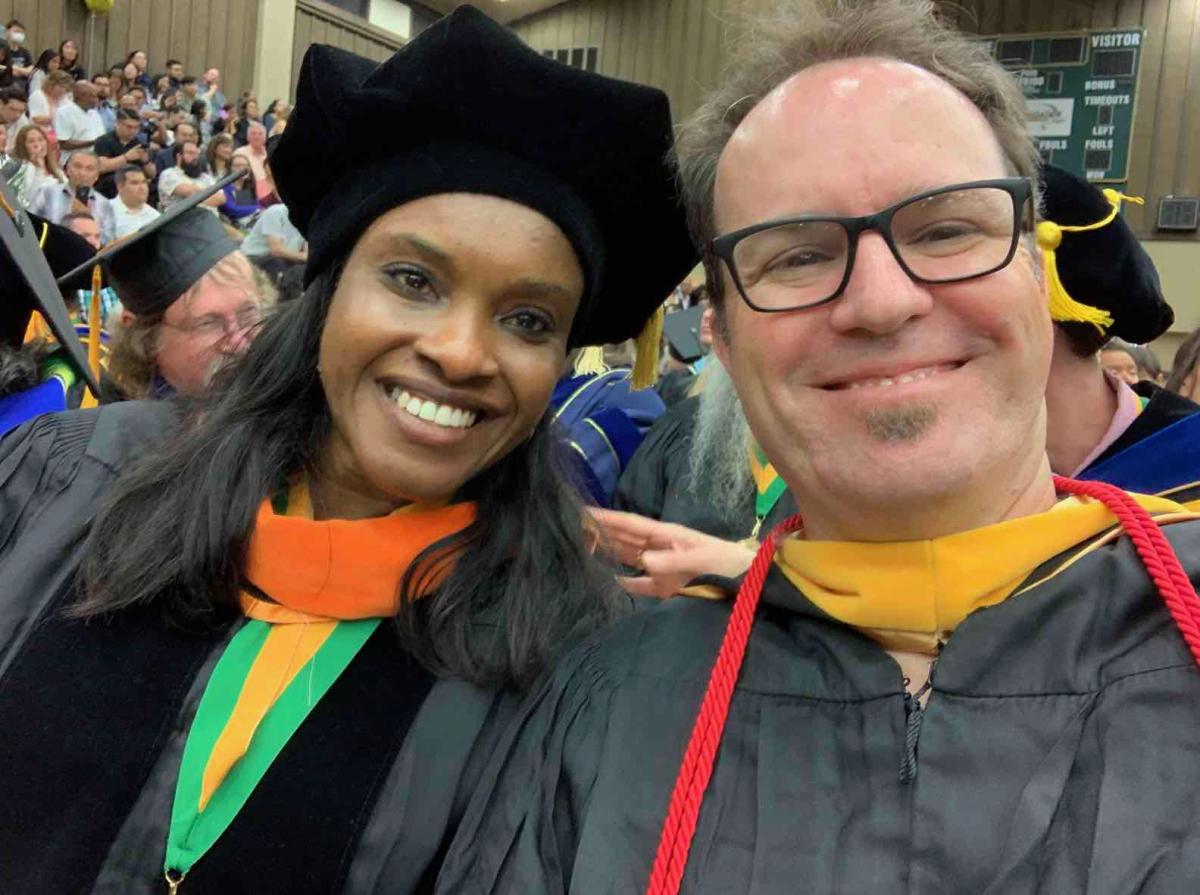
[(124, 145), (54, 201)]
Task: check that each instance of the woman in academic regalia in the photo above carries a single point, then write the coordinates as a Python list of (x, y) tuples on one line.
[(277, 658)]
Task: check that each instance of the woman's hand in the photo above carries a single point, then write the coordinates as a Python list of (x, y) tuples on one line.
[(668, 555)]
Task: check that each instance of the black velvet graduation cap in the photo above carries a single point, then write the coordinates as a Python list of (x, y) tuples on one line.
[(27, 272), (154, 266), (1104, 272), (468, 107)]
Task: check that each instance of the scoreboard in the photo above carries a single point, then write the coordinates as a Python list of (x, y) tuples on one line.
[(1080, 91)]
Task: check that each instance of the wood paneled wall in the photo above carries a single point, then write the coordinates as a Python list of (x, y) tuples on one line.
[(322, 23), (680, 46), (200, 33), (676, 45)]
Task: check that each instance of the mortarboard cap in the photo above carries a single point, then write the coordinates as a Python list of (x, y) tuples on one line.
[(154, 266), (467, 106), (32, 252), (682, 329), (1097, 271)]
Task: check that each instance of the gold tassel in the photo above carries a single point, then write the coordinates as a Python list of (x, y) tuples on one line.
[(93, 340), (1063, 308), (649, 344), (37, 329), (590, 361)]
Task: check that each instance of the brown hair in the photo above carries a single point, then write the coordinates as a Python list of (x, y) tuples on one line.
[(792, 37), (131, 364), (1187, 357), (57, 78), (216, 166), (131, 358), (21, 152)]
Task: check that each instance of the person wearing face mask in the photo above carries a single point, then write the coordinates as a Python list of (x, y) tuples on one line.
[(302, 618), (186, 177), (19, 57)]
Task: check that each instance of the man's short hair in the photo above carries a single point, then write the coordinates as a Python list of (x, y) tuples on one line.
[(184, 123), (82, 153), (124, 172), (187, 79), (14, 23), (76, 216), (171, 62), (8, 94), (794, 37), (177, 149), (128, 115)]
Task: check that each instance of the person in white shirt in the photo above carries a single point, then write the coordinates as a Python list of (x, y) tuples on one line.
[(274, 244), (78, 123), (78, 195), (44, 103), (130, 209), (185, 178), (31, 147)]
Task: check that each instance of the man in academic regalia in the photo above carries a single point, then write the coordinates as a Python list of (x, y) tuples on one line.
[(190, 301), (1104, 284), (691, 470), (863, 185)]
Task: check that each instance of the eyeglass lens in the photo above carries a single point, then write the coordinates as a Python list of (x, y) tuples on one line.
[(949, 236)]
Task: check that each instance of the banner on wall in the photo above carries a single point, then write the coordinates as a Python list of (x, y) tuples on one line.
[(1080, 90)]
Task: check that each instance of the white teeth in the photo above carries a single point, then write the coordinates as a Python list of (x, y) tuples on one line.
[(444, 415), (902, 379)]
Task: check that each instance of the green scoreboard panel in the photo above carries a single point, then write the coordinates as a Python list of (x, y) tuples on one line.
[(1080, 88)]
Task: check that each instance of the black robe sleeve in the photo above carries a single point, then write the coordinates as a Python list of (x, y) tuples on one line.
[(520, 833), (53, 471)]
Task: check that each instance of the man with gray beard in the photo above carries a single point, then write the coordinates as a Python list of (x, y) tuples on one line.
[(693, 468), (960, 673), (697, 496)]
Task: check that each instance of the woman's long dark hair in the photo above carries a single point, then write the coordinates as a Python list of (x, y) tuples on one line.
[(175, 530), (43, 61)]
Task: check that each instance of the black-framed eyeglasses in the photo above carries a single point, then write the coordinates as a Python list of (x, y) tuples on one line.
[(953, 233)]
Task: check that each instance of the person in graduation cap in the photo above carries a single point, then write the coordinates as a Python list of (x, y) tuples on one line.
[(863, 184), (602, 412), (276, 660), (1130, 433), (1103, 284), (190, 303), (46, 375)]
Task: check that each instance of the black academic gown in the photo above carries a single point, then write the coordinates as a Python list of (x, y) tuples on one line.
[(656, 483), (1059, 753), (93, 717)]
